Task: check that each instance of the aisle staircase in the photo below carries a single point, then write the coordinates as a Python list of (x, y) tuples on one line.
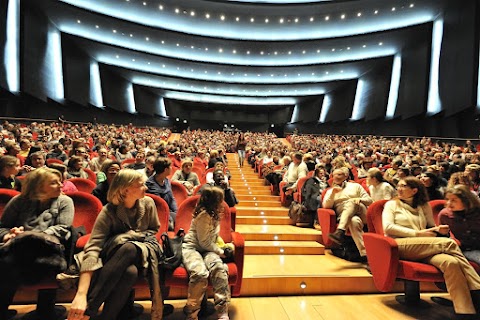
[(282, 259)]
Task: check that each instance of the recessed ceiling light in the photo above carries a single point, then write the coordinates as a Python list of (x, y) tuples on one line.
[(144, 3), (313, 73), (364, 46), (237, 19), (343, 16), (97, 26), (248, 52), (114, 31), (222, 17), (258, 75), (375, 12), (266, 20), (191, 70), (192, 47), (303, 52), (285, 75), (160, 7), (207, 16), (289, 52), (206, 49), (296, 20), (252, 19), (192, 13), (348, 48), (163, 66), (333, 49), (271, 75), (411, 5), (234, 51), (393, 9), (117, 56), (245, 74), (281, 20), (220, 50), (326, 72), (131, 35), (133, 60), (261, 52), (380, 43), (177, 10), (206, 71), (275, 53), (299, 74), (311, 19), (327, 18), (178, 44), (341, 71), (219, 72), (78, 21), (359, 14), (148, 62), (163, 41)]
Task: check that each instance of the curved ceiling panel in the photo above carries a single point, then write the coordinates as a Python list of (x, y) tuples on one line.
[(268, 22)]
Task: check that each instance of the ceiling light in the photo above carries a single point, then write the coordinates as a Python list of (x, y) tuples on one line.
[(326, 72), (348, 48), (393, 9), (252, 19), (411, 5), (148, 62), (237, 19), (299, 74), (234, 51), (163, 41), (375, 12), (160, 7), (220, 50), (222, 17), (219, 72), (144, 3), (163, 66), (296, 20), (380, 43), (117, 56), (318, 50), (289, 52), (97, 26), (131, 35), (206, 49), (282, 20), (177, 10), (311, 19), (327, 18), (248, 52), (333, 49), (275, 53), (303, 52), (261, 52), (341, 71), (192, 13), (191, 70), (78, 21), (364, 46), (207, 16), (133, 60), (114, 31), (266, 20), (359, 14), (342, 16), (178, 44)]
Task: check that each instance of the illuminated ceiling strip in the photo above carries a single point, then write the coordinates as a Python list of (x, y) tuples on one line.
[(230, 100), (11, 55), (360, 102), (394, 86), (434, 104), (226, 77), (211, 56), (321, 30), (131, 99), (53, 64), (95, 85), (327, 103)]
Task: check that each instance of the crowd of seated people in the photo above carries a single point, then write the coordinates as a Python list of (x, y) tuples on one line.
[(370, 167)]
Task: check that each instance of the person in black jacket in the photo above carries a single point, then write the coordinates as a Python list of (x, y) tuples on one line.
[(311, 195)]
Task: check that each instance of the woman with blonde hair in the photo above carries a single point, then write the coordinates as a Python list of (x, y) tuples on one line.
[(122, 246), (40, 208)]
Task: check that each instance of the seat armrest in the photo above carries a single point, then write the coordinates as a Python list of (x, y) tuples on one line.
[(328, 222), (383, 258), (239, 256)]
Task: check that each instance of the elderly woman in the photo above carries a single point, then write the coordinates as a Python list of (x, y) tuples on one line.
[(409, 220), (40, 208), (9, 168), (121, 246), (186, 177)]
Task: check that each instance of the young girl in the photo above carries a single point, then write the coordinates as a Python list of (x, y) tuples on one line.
[(122, 244), (202, 256)]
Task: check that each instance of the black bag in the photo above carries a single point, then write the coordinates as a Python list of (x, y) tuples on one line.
[(172, 250), (348, 250)]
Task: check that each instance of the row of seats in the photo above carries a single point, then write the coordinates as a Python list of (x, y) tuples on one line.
[(87, 207)]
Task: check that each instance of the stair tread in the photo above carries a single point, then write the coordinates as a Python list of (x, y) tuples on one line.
[(256, 243), (275, 229)]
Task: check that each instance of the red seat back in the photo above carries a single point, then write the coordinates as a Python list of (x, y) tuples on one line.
[(185, 215), (82, 184), (5, 196), (53, 160), (87, 208), (374, 216), (437, 206), (92, 176), (179, 192), (163, 212), (126, 162)]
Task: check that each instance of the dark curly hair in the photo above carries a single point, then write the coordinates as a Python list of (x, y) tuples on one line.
[(210, 200), (421, 197)]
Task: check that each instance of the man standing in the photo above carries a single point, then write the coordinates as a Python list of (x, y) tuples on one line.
[(349, 201)]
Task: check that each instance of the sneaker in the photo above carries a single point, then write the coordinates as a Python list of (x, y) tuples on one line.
[(223, 316), (338, 236)]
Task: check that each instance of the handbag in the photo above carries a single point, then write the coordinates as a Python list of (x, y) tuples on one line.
[(172, 250)]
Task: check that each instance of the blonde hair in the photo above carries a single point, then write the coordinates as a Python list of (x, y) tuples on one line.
[(32, 186), (123, 179)]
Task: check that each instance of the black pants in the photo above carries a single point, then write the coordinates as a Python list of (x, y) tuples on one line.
[(112, 284)]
